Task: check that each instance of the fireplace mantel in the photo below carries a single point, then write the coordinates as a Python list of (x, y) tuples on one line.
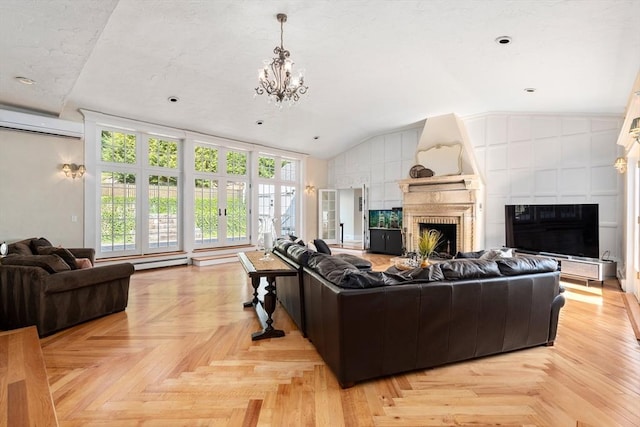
[(452, 199)]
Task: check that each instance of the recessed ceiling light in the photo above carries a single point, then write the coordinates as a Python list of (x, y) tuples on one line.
[(503, 40), (259, 122), (316, 137), (25, 80), (530, 89), (173, 99)]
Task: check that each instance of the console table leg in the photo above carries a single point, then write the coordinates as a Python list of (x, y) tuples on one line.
[(255, 284), (269, 306)]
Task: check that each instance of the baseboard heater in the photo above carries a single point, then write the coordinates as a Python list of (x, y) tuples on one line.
[(157, 263)]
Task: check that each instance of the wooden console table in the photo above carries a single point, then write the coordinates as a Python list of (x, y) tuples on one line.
[(257, 268), (25, 385)]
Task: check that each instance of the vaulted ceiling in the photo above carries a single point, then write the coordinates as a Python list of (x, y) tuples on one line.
[(371, 66)]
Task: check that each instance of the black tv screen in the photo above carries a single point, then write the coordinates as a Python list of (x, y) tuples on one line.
[(556, 229)]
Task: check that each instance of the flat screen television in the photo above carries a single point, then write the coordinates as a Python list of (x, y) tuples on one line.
[(571, 229)]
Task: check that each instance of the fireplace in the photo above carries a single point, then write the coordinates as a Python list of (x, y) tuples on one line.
[(450, 204), (449, 232)]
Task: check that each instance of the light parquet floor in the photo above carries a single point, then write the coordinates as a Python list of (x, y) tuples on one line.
[(181, 354)]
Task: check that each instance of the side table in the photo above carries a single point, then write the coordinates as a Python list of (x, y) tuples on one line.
[(257, 268)]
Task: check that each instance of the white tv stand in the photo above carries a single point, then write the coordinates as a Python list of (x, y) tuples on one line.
[(580, 268)]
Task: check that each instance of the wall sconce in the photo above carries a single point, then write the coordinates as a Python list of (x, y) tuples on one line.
[(310, 189), (635, 129), (621, 164), (73, 170)]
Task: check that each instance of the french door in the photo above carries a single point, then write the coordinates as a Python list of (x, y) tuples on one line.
[(328, 224)]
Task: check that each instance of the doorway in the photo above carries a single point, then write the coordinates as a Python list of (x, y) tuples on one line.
[(351, 214)]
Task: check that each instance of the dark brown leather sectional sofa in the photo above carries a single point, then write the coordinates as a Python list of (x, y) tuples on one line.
[(42, 290), (370, 324)]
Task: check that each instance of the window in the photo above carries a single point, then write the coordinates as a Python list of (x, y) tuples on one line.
[(118, 194), (277, 202), (118, 212), (150, 196), (221, 217), (129, 204)]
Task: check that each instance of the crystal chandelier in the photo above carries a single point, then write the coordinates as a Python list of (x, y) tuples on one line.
[(275, 78)]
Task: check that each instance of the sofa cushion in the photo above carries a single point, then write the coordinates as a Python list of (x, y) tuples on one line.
[(63, 253), (20, 248), (476, 254), (492, 254), (321, 246), (82, 263), (282, 245), (526, 265), (296, 239), (462, 269), (361, 263), (299, 254), (36, 243), (50, 263), (365, 279), (431, 273), (330, 267)]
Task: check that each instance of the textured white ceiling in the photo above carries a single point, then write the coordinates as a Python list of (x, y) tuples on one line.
[(371, 66)]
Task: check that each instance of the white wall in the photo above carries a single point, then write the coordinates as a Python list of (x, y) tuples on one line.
[(544, 158), (523, 158), (379, 162), (315, 174), (36, 198)]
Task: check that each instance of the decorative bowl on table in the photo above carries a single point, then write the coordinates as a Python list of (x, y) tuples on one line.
[(402, 263)]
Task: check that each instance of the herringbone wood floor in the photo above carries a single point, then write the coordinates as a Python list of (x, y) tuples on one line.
[(181, 354)]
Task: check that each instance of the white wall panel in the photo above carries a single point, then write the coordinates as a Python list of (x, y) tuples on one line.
[(520, 155), (575, 150), (519, 128), (607, 212), (376, 147), (545, 127), (571, 125), (410, 140), (573, 181), (603, 179), (546, 153), (521, 182), (546, 183), (603, 153), (496, 129), (392, 147), (498, 183), (497, 158)]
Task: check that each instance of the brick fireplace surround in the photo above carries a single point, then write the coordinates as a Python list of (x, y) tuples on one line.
[(452, 199)]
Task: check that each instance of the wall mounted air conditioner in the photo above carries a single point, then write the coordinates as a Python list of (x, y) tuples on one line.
[(40, 124)]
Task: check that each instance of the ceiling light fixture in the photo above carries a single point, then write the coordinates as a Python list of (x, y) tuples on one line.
[(530, 89), (275, 77), (503, 40), (173, 99), (25, 80)]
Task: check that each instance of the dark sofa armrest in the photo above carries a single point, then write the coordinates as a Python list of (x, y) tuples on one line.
[(89, 253), (74, 279)]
